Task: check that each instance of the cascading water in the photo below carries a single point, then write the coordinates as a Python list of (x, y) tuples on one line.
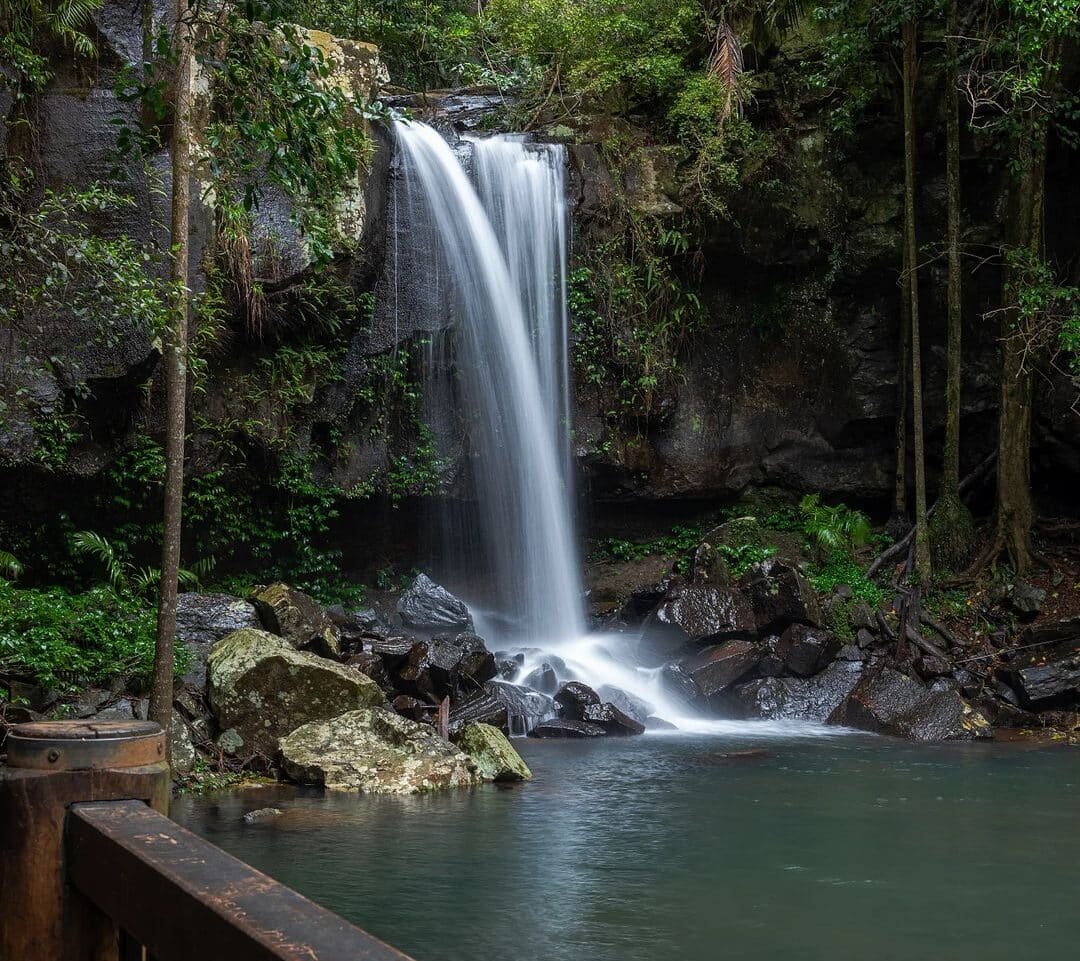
[(502, 244)]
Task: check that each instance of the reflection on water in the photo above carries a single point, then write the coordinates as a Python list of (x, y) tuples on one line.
[(697, 849)]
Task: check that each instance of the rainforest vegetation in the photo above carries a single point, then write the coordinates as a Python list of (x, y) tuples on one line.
[(193, 462)]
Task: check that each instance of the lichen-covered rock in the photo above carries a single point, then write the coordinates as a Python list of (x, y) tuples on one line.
[(495, 757), (375, 751), (297, 618), (181, 750), (262, 688)]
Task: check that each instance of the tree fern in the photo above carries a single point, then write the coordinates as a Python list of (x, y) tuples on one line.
[(838, 528), (10, 567)]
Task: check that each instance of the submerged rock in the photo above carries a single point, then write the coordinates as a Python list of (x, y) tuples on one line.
[(495, 757), (428, 606), (375, 751), (261, 687), (567, 727), (780, 596), (262, 814), (293, 615)]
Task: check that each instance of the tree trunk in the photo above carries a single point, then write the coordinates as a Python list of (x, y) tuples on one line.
[(952, 528), (175, 364), (898, 523), (922, 537)]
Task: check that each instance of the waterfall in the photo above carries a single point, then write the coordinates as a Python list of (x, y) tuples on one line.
[(504, 249)]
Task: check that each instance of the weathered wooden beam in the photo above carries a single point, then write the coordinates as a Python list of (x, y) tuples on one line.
[(187, 900), (50, 767)]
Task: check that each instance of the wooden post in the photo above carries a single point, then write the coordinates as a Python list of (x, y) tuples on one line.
[(50, 766)]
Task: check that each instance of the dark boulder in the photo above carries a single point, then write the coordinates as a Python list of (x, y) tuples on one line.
[(642, 602), (780, 595), (474, 661), (1048, 677), (358, 627), (446, 665), (410, 707), (1026, 599), (680, 685), (612, 719), (632, 706), (524, 708), (795, 698), (861, 617), (704, 613), (430, 607), (717, 667), (806, 650), (943, 716), (568, 727), (204, 619), (482, 707), (573, 697), (373, 666), (542, 678)]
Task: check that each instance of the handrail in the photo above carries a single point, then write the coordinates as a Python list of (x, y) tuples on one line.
[(184, 899)]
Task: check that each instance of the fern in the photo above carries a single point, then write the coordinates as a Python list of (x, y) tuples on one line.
[(10, 567), (838, 528)]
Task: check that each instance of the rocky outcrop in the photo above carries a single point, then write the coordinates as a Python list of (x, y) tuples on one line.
[(428, 606), (293, 615), (375, 751), (261, 688), (494, 756)]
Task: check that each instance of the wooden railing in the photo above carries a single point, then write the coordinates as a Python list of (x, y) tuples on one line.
[(92, 870)]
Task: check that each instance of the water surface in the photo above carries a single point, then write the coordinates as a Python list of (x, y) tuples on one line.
[(666, 847)]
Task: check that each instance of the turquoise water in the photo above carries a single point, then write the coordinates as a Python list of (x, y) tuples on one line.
[(668, 847)]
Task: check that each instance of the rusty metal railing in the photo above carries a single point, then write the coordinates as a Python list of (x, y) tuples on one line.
[(92, 870)]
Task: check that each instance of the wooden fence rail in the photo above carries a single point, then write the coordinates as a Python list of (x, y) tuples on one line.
[(92, 870)]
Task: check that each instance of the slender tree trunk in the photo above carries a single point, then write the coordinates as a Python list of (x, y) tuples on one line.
[(922, 538), (175, 364), (952, 528), (898, 524), (950, 484)]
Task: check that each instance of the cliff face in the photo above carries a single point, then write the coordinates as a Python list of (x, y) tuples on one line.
[(790, 380)]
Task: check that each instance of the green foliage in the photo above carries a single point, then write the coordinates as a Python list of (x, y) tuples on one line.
[(836, 528), (839, 568), (30, 27), (125, 577), (63, 640), (10, 566), (678, 540), (740, 557)]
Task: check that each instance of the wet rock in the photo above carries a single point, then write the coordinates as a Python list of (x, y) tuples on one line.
[(393, 650), (654, 723), (888, 702), (524, 708), (261, 814), (430, 607), (262, 688), (373, 666), (1026, 599), (806, 650), (705, 613), (293, 615), (495, 757), (779, 596), (573, 697), (479, 707), (930, 666), (508, 668), (626, 702), (567, 727), (410, 707), (865, 639), (720, 666), (642, 602), (357, 625), (204, 619), (1049, 677), (612, 719), (793, 698), (374, 751), (542, 679), (446, 665), (680, 685)]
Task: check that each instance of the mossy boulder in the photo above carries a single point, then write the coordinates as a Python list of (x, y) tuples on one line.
[(495, 757), (375, 751), (296, 617), (262, 688)]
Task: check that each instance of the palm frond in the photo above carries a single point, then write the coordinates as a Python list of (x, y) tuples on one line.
[(91, 544), (726, 64)]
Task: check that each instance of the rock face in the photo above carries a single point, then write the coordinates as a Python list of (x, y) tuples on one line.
[(494, 755), (261, 688), (427, 606), (293, 615), (204, 619), (375, 751)]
